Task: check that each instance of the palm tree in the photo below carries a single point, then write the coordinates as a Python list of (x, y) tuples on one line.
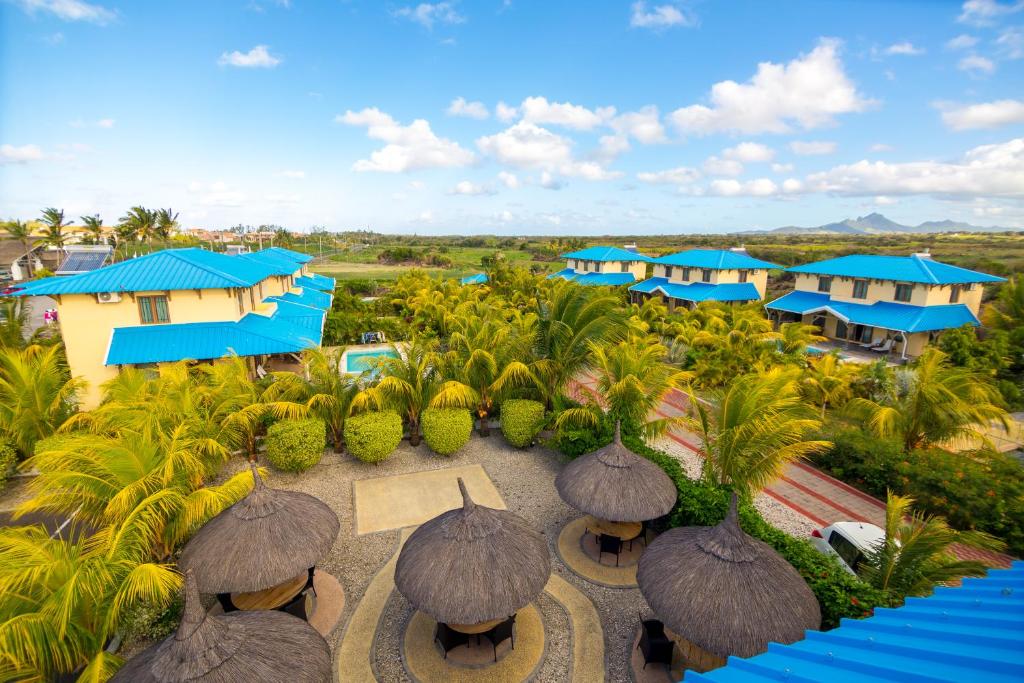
[(827, 381), (94, 226), (794, 338), (1006, 312), (937, 402), (140, 222), (21, 231), (37, 394), (633, 378), (54, 224), (752, 428), (917, 552), (166, 223), (13, 318), (409, 382)]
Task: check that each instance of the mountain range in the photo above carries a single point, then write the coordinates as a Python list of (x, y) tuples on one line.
[(876, 223)]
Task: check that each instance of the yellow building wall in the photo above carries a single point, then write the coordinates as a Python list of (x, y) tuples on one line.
[(759, 278), (637, 268), (885, 290)]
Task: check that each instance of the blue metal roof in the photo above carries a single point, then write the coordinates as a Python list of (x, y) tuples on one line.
[(594, 279), (885, 314), (169, 269), (281, 265), (699, 291), (564, 273), (974, 632), (607, 254), (899, 268), (475, 279), (296, 256), (319, 282), (718, 259), (307, 317), (308, 297), (253, 335)]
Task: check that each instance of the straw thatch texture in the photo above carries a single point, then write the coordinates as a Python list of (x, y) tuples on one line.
[(268, 537), (473, 564), (616, 484), (724, 591), (270, 647)]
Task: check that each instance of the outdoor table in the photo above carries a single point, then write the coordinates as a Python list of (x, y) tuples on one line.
[(270, 598), (622, 530), (475, 629)]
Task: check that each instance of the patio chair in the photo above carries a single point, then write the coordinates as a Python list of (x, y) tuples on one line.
[(449, 638), (260, 372), (886, 347), (500, 633), (298, 606), (609, 544), (654, 644)]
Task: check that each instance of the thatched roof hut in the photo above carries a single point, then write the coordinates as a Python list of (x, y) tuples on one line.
[(724, 591), (616, 484), (240, 646), (267, 538), (473, 564)]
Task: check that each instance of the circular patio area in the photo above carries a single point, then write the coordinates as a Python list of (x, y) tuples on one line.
[(579, 550)]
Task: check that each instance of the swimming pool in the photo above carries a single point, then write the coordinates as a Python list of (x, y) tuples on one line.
[(361, 361)]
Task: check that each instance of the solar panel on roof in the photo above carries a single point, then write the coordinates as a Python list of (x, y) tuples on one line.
[(82, 261)]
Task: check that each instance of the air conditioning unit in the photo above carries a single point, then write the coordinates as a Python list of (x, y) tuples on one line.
[(108, 297)]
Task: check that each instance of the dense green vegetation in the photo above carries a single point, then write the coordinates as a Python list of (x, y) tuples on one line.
[(296, 445), (446, 430), (521, 421)]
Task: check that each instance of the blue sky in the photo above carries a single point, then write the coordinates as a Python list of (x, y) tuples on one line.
[(514, 117)]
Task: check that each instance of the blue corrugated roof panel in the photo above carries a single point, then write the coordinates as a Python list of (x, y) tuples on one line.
[(281, 265), (604, 279), (899, 268), (564, 273), (607, 254), (296, 256), (699, 291), (885, 314), (475, 279), (716, 259), (309, 297), (307, 317), (971, 632), (170, 269), (317, 282)]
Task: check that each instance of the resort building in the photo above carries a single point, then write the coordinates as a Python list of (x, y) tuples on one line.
[(689, 277), (186, 304), (608, 266), (890, 304)]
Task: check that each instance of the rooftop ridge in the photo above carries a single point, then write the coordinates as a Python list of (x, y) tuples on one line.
[(178, 254)]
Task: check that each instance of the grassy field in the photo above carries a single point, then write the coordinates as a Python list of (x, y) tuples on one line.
[(363, 263)]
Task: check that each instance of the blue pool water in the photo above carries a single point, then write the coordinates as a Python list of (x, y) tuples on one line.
[(360, 361), (814, 351)]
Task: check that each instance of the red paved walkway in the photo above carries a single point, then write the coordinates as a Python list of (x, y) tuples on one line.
[(807, 491)]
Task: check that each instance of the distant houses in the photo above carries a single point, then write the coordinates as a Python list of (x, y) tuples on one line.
[(603, 266), (689, 277)]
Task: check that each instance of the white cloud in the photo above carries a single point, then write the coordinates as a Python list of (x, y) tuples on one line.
[(526, 145), (10, 154), (1011, 43), (659, 16), (812, 148), (281, 198), (880, 147), (298, 175), (643, 125), (409, 147), (427, 14), (509, 180), (425, 217), (749, 152), (807, 92), (69, 10), (589, 170), (728, 167), (987, 12), (961, 42), (217, 193), (470, 189), (882, 200), (792, 186), (905, 48), (504, 112), (106, 123), (782, 168), (983, 115), (472, 110), (761, 187), (549, 182), (682, 175), (539, 110), (611, 146), (257, 58), (989, 171), (976, 65)]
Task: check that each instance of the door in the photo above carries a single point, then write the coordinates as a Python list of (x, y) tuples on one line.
[(841, 330)]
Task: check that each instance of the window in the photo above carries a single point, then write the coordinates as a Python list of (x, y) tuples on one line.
[(153, 310), (625, 266), (954, 294), (241, 302), (686, 275), (824, 284), (903, 292), (845, 549), (668, 272), (860, 289), (705, 275), (743, 275)]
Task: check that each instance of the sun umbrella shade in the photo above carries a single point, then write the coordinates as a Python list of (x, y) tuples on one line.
[(724, 591), (616, 484), (267, 538), (240, 646), (473, 564)]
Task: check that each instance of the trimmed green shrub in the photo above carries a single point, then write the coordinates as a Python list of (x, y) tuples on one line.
[(521, 420), (446, 430), (372, 437), (296, 445), (8, 456)]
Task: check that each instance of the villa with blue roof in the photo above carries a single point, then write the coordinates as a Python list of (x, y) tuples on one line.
[(689, 277), (604, 266), (891, 304), (186, 304)]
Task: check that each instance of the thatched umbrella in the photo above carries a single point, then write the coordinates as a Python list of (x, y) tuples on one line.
[(616, 484), (724, 591), (473, 564), (241, 646), (265, 539)]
